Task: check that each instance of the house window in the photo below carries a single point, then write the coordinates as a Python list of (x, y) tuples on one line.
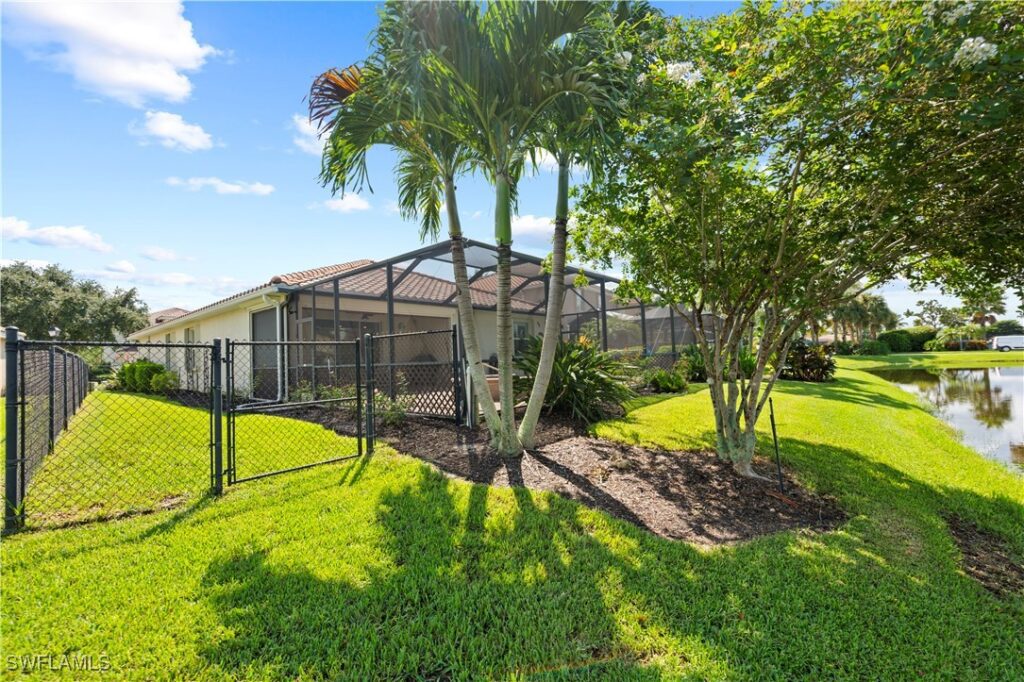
[(520, 333), (190, 353), (167, 351)]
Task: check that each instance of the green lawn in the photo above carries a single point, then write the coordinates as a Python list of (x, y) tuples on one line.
[(959, 359), (126, 452), (383, 568)]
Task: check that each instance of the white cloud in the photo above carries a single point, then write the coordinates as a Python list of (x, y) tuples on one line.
[(131, 52), (153, 278), (173, 132), (350, 203), (33, 263), (60, 236), (121, 266), (532, 228), (545, 160), (161, 254), (221, 186), (306, 137), (476, 214)]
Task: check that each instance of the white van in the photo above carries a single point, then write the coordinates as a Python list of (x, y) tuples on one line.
[(1007, 343)]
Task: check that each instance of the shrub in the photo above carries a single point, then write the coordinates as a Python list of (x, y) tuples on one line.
[(968, 344), (898, 340), (919, 336), (303, 392), (138, 376), (586, 384), (808, 362), (163, 382), (934, 345), (666, 381), (1004, 328), (872, 347), (391, 411), (696, 372), (967, 331), (841, 348)]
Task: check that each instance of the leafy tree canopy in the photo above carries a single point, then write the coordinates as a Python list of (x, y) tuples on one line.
[(34, 300), (778, 156)]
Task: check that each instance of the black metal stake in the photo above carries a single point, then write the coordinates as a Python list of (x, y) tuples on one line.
[(775, 437)]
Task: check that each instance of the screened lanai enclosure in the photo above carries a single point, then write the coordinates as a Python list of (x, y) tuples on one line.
[(410, 299)]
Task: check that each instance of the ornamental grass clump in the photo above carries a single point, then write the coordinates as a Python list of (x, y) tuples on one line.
[(586, 385)]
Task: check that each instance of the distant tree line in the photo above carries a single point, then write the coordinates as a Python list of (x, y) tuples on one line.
[(37, 299)]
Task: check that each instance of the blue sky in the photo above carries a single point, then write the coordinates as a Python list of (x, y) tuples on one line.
[(163, 147)]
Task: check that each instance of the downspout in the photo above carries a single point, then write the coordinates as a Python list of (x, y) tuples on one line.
[(282, 336)]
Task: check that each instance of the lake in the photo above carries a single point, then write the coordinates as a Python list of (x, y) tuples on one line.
[(985, 405)]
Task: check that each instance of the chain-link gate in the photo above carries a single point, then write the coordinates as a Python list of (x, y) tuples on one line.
[(291, 405), (416, 373)]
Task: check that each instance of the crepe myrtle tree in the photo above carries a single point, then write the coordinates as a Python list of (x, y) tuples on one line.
[(781, 160)]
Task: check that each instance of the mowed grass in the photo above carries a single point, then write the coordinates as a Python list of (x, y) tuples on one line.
[(126, 453), (959, 359), (382, 568)]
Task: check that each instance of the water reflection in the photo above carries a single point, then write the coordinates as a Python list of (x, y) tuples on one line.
[(986, 405)]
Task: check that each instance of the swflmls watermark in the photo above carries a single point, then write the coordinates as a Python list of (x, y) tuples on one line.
[(28, 663)]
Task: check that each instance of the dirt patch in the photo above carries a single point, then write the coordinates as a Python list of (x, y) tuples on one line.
[(986, 558), (689, 496)]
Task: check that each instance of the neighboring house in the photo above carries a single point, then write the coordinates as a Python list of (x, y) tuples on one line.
[(166, 315)]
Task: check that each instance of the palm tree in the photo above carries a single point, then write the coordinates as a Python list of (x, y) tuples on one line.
[(499, 68), (575, 132), (877, 314), (349, 105)]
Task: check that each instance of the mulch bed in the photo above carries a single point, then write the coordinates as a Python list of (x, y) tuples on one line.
[(986, 558), (690, 496)]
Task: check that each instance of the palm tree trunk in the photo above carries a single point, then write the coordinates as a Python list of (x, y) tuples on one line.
[(467, 319), (553, 315), (508, 440)]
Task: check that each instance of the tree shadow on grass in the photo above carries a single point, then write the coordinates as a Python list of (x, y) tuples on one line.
[(471, 582)]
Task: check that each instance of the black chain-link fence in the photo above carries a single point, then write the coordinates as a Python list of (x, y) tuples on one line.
[(417, 374), (99, 430), (103, 429), (292, 405)]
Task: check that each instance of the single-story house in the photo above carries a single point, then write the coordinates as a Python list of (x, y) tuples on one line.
[(346, 300)]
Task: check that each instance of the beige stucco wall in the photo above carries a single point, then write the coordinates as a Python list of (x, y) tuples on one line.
[(233, 322)]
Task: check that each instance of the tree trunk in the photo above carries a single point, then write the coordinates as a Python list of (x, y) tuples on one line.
[(553, 315), (508, 440), (467, 319)]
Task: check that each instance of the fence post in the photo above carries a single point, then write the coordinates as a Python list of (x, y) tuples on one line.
[(359, 399), (65, 382), (49, 400), (13, 492), (218, 421), (456, 384), (368, 352)]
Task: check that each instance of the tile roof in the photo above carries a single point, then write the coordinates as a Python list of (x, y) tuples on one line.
[(490, 282), (166, 314), (419, 288), (305, 276), (291, 278)]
